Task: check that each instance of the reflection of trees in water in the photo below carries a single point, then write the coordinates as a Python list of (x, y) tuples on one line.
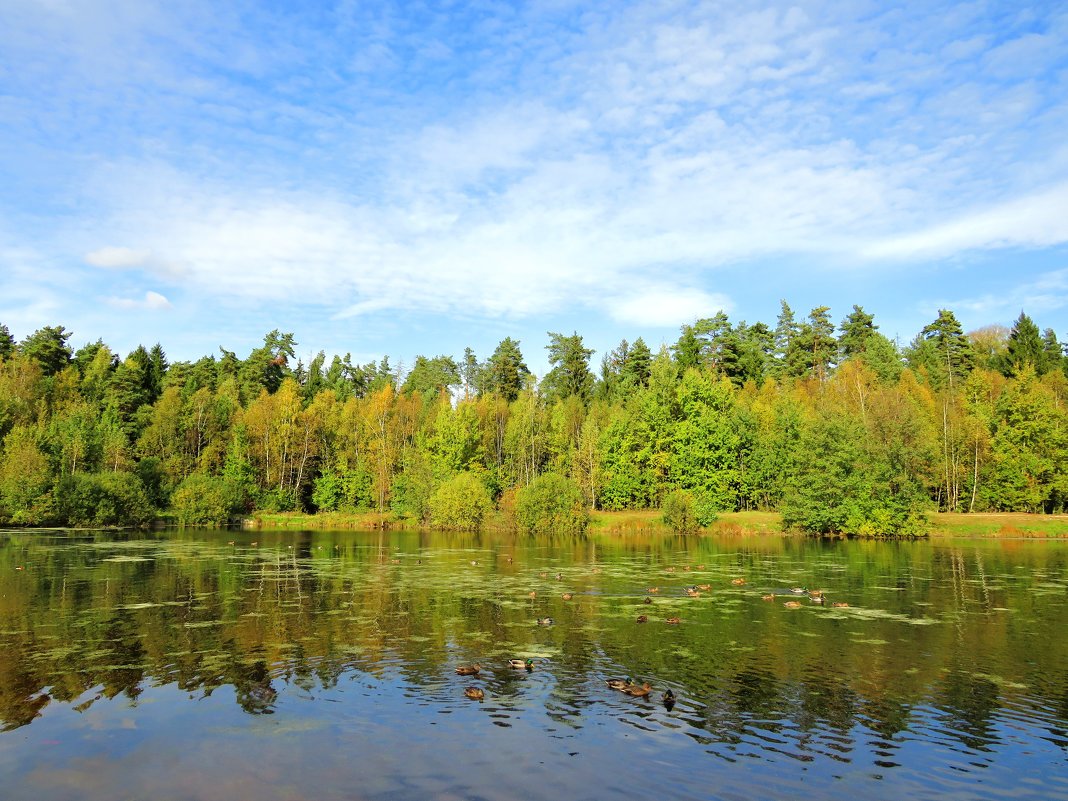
[(263, 619), (254, 691)]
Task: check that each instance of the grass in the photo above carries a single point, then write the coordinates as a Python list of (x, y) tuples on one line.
[(998, 524), (647, 521)]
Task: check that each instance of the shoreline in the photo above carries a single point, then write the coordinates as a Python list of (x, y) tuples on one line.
[(945, 525)]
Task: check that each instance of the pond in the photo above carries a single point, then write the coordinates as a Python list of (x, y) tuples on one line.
[(224, 665)]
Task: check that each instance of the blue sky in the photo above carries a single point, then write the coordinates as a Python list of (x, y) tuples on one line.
[(415, 178)]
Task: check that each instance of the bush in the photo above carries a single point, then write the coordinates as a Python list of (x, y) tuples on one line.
[(202, 500), (551, 504), (103, 499), (462, 503), (676, 510)]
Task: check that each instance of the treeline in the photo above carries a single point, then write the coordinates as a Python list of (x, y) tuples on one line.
[(838, 428)]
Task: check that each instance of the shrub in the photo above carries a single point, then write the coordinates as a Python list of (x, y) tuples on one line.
[(676, 510), (462, 503), (202, 500), (551, 504), (103, 499)]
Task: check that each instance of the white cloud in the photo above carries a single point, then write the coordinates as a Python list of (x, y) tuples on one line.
[(152, 301), (117, 258), (1036, 220), (665, 306)]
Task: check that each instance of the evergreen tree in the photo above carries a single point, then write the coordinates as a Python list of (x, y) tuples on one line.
[(432, 376), (857, 328), (7, 343), (944, 350), (48, 347), (570, 373), (506, 373), (1024, 348)]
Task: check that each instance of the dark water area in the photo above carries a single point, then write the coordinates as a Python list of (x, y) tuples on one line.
[(181, 665)]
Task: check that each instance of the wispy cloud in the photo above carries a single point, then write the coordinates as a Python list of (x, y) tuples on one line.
[(152, 301), (510, 162)]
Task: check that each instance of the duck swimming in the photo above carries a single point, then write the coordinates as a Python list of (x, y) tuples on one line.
[(520, 664), (638, 691), (468, 670), (476, 693)]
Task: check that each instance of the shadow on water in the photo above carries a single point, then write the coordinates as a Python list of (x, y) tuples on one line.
[(940, 663)]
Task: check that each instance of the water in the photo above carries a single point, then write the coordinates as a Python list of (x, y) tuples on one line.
[(321, 666)]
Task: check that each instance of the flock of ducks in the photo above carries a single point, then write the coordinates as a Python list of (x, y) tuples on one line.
[(627, 686)]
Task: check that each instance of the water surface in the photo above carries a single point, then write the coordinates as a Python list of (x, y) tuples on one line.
[(221, 665)]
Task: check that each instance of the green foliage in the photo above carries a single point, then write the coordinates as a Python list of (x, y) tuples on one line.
[(48, 348), (7, 343), (676, 511), (551, 504), (432, 376), (570, 373), (102, 499), (505, 372), (460, 503), (203, 500)]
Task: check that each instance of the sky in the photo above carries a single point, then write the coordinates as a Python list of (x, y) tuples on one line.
[(419, 177)]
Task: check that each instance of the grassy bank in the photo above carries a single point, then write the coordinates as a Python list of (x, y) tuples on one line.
[(998, 524), (647, 521)]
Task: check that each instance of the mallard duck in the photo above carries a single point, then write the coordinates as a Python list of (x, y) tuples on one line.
[(818, 599), (475, 693), (700, 567), (638, 691), (705, 587), (545, 621), (643, 618), (653, 589), (648, 600), (693, 592), (768, 597), (468, 670), (815, 593), (520, 664), (533, 594), (618, 684), (798, 590), (567, 596), (840, 605), (674, 621), (792, 604), (738, 582), (669, 570), (669, 699)]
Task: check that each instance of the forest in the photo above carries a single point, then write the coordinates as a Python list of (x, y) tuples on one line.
[(837, 428)]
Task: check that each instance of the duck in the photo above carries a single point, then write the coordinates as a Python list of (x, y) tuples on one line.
[(476, 693), (648, 600), (768, 597), (738, 582), (815, 593), (792, 604), (638, 691), (545, 621), (521, 664), (618, 684), (674, 621), (818, 599), (693, 592), (533, 594), (798, 590), (567, 596), (669, 699), (643, 618), (840, 605), (468, 670), (653, 589), (705, 587)]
